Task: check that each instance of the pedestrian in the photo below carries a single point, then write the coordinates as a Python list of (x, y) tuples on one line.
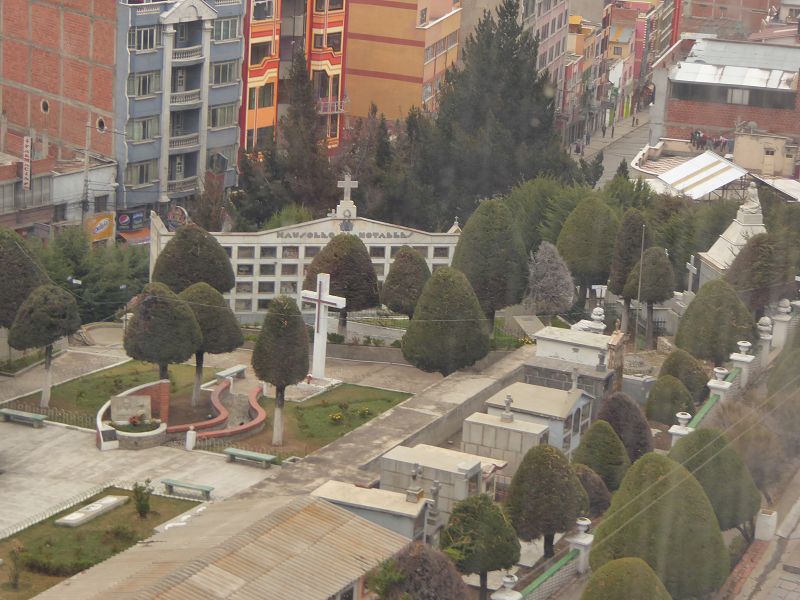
[(577, 147), (612, 131), (588, 138), (603, 129)]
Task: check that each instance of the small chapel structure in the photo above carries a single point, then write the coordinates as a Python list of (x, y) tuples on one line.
[(273, 262)]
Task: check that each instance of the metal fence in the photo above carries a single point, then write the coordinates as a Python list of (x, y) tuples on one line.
[(57, 415)]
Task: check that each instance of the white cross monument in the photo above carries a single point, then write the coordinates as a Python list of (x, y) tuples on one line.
[(692, 272), (323, 301), (348, 184)]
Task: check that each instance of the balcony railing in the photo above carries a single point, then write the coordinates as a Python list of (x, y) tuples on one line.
[(227, 2), (187, 184), (189, 97), (184, 141), (150, 9), (331, 106), (187, 53)]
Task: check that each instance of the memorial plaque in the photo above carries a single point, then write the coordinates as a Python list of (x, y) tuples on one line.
[(125, 407)]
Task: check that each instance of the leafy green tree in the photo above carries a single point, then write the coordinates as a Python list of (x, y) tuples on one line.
[(714, 322), (629, 423), (550, 286), (662, 515), (657, 283), (586, 242), (529, 201), (627, 252), (291, 214), (47, 314), (22, 273), (191, 256), (622, 194), (220, 329), (479, 538), (685, 367), (545, 496), (625, 579), (491, 254), (717, 466), (622, 169), (418, 572), (762, 272), (280, 356), (559, 209), (592, 170), (262, 191), (307, 170), (602, 451), (667, 397), (782, 376), (162, 330), (346, 259), (448, 331), (406, 279), (210, 210), (596, 491)]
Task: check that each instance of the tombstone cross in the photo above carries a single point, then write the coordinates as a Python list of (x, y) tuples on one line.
[(692, 272), (323, 300), (509, 400), (348, 184)]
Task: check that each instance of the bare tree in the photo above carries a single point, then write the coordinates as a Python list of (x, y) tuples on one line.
[(550, 286)]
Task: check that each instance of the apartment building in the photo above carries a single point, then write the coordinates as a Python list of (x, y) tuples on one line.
[(274, 30), (153, 85), (549, 21)]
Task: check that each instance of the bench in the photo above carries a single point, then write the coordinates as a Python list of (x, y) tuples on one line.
[(171, 484), (235, 371), (265, 459), (9, 414)]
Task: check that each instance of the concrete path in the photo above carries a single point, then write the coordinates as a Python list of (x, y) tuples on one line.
[(42, 468), (626, 143)]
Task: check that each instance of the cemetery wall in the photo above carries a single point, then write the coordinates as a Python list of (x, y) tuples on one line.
[(395, 355), (140, 441)]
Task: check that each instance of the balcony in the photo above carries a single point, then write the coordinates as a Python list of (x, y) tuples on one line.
[(191, 53), (149, 10), (188, 184), (184, 98), (184, 141), (227, 2), (331, 106)]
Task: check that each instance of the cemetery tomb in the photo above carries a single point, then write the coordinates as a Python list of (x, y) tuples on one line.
[(582, 347), (91, 511)]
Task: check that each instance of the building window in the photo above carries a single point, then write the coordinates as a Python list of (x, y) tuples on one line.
[(266, 269), (423, 251), (139, 130), (225, 72), (319, 5), (335, 4), (379, 269), (288, 269), (319, 41), (423, 16), (266, 287), (59, 213), (144, 38), (259, 52), (144, 84), (246, 252), (244, 305), (430, 53), (263, 9), (263, 303), (377, 251), (266, 95), (617, 51), (244, 287), (769, 152), (452, 40), (269, 252), (228, 251), (222, 116), (288, 287), (226, 29), (245, 270), (427, 91), (290, 252), (141, 173), (441, 252), (311, 251), (221, 159), (335, 41), (101, 203), (738, 96)]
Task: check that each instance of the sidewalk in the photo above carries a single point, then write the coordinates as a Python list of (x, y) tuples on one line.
[(621, 129)]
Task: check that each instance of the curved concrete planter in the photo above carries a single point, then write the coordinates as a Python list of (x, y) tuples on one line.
[(139, 441)]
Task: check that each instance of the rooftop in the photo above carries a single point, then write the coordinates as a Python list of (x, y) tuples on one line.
[(558, 364), (620, 34), (696, 72), (575, 338), (744, 54), (386, 501), (538, 400), (516, 425), (442, 459), (702, 175)]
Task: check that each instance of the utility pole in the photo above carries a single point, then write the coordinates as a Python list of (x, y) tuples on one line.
[(88, 141), (639, 296)]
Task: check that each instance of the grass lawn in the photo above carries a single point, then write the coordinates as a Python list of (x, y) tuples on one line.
[(309, 425), (87, 394), (94, 542)]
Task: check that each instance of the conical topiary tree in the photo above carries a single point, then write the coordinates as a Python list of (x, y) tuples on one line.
[(762, 272), (346, 259), (479, 538), (628, 422), (667, 397), (191, 256), (714, 322), (545, 496), (662, 515), (627, 252), (47, 314), (280, 356), (717, 466), (658, 281), (22, 273), (162, 330), (596, 491), (449, 330), (602, 451), (491, 253), (220, 329), (406, 279), (689, 371), (625, 579), (421, 570), (550, 286)]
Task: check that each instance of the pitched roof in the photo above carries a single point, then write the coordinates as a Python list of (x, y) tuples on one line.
[(538, 400), (702, 175)]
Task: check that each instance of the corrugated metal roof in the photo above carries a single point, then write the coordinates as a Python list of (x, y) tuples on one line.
[(305, 548), (790, 187), (734, 76), (702, 175), (745, 54)]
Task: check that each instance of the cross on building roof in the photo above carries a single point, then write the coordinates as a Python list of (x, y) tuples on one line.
[(348, 184)]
